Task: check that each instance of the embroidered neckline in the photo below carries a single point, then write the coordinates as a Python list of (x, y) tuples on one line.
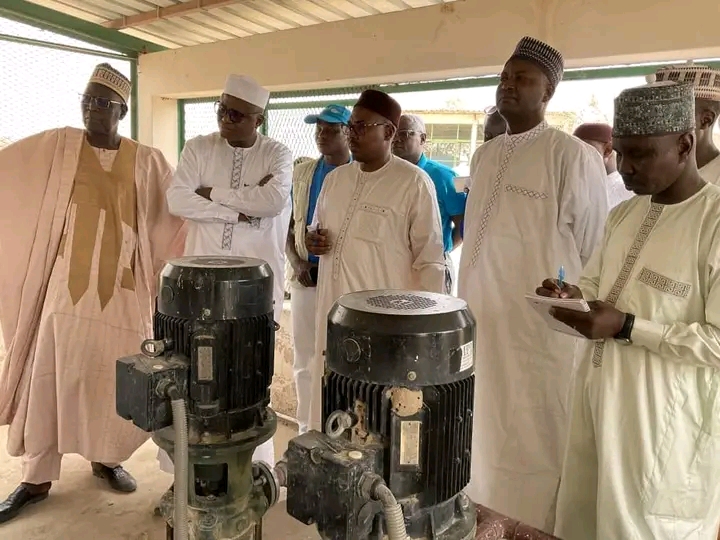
[(527, 135)]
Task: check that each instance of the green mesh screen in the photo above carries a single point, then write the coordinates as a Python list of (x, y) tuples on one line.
[(40, 86), (199, 118)]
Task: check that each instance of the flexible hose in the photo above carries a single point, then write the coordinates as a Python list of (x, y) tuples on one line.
[(393, 513), (180, 510)]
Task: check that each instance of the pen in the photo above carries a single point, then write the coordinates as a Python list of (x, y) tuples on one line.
[(561, 277)]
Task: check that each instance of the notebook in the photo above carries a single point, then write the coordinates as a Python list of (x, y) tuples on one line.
[(542, 305)]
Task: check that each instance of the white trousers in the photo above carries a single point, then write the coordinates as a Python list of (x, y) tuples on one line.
[(265, 452), (303, 303)]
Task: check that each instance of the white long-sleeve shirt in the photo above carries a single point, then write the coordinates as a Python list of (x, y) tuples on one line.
[(234, 174)]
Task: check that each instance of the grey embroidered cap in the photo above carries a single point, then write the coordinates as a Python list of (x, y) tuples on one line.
[(705, 80), (543, 55), (657, 108)]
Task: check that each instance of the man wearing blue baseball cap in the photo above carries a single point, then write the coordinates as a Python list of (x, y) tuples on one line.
[(308, 178)]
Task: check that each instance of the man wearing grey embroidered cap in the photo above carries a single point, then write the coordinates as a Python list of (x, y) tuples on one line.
[(644, 437), (537, 202), (706, 85), (233, 188)]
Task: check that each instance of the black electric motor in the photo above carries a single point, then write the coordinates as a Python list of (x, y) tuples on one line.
[(397, 411), (213, 348)]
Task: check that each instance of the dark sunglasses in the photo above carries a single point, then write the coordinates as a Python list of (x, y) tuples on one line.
[(233, 115)]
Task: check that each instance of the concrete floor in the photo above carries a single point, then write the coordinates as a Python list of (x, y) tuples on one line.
[(82, 507)]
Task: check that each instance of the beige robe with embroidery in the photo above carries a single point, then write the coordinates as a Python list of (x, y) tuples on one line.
[(643, 454), (78, 291)]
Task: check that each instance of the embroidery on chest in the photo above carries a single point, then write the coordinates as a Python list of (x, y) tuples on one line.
[(235, 180), (664, 284), (641, 238), (510, 144), (530, 193)]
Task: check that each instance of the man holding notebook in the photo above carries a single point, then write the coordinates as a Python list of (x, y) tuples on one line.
[(643, 451)]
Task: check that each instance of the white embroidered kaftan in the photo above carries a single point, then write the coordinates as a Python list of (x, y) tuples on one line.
[(386, 234), (213, 228), (643, 457), (234, 174), (537, 201)]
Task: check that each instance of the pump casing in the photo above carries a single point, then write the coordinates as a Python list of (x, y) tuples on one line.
[(214, 338), (397, 404)]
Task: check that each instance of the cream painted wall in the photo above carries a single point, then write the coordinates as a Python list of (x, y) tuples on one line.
[(470, 37)]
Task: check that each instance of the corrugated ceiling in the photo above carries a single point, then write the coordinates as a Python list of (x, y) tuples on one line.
[(174, 23)]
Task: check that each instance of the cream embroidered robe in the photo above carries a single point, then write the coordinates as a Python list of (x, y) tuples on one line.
[(643, 458)]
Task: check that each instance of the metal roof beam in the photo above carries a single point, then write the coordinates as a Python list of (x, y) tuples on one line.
[(161, 13), (95, 34)]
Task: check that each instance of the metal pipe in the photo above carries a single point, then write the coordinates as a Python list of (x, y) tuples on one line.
[(61, 47)]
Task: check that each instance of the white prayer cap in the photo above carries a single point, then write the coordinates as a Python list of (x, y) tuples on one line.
[(247, 89)]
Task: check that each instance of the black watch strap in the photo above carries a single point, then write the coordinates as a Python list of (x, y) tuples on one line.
[(625, 332)]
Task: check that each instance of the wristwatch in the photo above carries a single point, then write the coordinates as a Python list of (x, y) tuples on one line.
[(625, 333)]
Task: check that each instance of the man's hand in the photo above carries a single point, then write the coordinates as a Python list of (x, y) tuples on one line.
[(552, 289), (318, 242), (301, 272), (204, 192), (602, 322)]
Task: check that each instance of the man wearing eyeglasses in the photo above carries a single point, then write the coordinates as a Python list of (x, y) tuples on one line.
[(409, 144), (233, 188), (308, 179), (376, 225), (84, 229)]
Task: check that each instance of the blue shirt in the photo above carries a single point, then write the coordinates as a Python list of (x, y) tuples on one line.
[(450, 201), (321, 171)]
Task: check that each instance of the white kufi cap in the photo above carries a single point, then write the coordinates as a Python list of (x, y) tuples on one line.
[(247, 89)]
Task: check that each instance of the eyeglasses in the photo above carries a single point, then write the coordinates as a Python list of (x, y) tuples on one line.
[(360, 128), (405, 134), (98, 102), (233, 115), (330, 129)]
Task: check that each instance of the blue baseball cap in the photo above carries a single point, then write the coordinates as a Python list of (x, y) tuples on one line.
[(332, 114)]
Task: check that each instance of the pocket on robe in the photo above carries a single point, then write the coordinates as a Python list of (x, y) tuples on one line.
[(371, 223), (685, 475)]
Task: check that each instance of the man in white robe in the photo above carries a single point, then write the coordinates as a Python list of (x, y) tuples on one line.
[(706, 85), (377, 223), (599, 136), (643, 450), (233, 188), (537, 202)]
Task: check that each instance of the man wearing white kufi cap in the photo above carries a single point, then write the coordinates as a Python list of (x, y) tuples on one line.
[(644, 435), (233, 188), (537, 202), (706, 86), (84, 228)]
